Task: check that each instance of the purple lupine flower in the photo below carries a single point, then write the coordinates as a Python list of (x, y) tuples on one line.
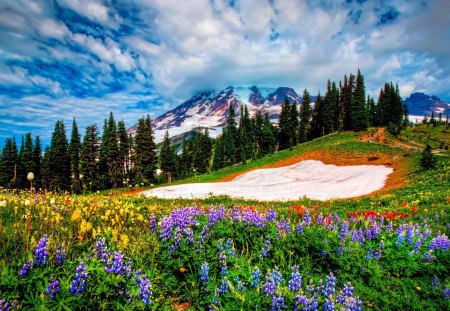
[(358, 236), (307, 219), (251, 217), (276, 276), (240, 284), (330, 285), (189, 236), (223, 262), (26, 267), (102, 251), (299, 228), (301, 303), (319, 219), (269, 286), (152, 223), (6, 305), (409, 234), (344, 231), (446, 293), (284, 228), (389, 227), (296, 280), (346, 299), (369, 254), (117, 266), (377, 254), (52, 289), (440, 242), (229, 248), (256, 277), (215, 215), (40, 252), (435, 283), (427, 256), (329, 305), (266, 248), (204, 275), (60, 255), (144, 285), (400, 239), (215, 301), (277, 303), (224, 287), (417, 245), (79, 280), (271, 215)]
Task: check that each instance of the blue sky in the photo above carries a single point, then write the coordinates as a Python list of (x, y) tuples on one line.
[(84, 58)]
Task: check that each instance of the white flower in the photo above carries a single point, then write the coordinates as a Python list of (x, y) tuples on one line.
[(3, 203)]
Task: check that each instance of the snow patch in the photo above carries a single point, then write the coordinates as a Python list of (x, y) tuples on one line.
[(310, 178)]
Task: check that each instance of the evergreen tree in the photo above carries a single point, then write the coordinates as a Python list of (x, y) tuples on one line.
[(167, 158), (358, 114), (202, 153), (89, 156), (145, 151), (427, 161), (294, 124), (185, 164), (8, 162), (45, 168), (37, 156), (269, 136), (305, 117), (74, 150), (218, 154), (284, 126), (370, 109), (28, 161), (123, 149), (317, 127), (258, 133), (330, 109), (21, 175), (59, 159), (109, 153), (230, 138)]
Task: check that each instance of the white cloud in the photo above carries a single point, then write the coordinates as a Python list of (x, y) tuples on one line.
[(52, 29), (94, 10)]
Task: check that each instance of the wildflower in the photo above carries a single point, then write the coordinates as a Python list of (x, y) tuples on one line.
[(204, 275), (440, 242), (76, 215), (330, 285), (144, 288), (307, 219), (428, 257), (60, 255), (256, 277), (271, 215), (329, 305), (102, 251), (435, 283), (301, 303), (277, 303), (228, 247), (240, 284), (223, 263), (40, 252), (215, 300), (215, 215), (300, 228), (296, 280), (266, 248), (26, 267), (6, 306), (446, 293), (284, 228), (344, 231), (117, 266), (269, 287), (276, 275), (224, 287), (79, 280), (52, 289)]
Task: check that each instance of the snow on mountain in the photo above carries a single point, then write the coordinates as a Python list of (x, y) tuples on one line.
[(210, 109), (420, 104)]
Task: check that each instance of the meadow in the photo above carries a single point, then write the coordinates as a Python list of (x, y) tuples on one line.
[(116, 250)]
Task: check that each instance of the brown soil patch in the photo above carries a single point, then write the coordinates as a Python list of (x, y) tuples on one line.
[(396, 179)]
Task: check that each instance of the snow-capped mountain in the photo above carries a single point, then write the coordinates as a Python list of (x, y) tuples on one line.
[(420, 104), (210, 109)]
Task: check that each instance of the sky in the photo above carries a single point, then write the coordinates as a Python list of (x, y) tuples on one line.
[(61, 59)]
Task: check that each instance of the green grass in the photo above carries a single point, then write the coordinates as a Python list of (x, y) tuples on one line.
[(438, 137)]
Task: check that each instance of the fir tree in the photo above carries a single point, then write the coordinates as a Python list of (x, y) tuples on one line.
[(218, 154), (294, 124), (89, 156), (305, 117), (230, 138), (358, 114), (203, 153), (37, 157), (317, 127), (167, 158), (145, 151), (8, 164), (74, 149), (284, 126), (427, 161), (28, 161), (269, 136), (123, 149), (59, 159)]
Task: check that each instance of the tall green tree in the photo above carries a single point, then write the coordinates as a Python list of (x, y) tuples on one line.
[(202, 153), (317, 127), (123, 148), (305, 117), (218, 154), (230, 138), (74, 150), (167, 158), (294, 124), (145, 151), (8, 164), (59, 159), (109, 153), (37, 156), (89, 156), (358, 113), (269, 136), (284, 126)]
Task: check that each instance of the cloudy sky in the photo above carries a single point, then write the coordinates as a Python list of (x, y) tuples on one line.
[(84, 58)]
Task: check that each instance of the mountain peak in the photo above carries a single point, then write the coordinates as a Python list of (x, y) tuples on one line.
[(420, 104)]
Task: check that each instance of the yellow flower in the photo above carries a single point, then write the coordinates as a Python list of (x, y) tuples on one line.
[(76, 216), (124, 238)]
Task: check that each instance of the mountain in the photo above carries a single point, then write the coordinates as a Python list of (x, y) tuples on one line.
[(210, 109), (420, 104)]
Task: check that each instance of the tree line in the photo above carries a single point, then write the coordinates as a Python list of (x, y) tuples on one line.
[(117, 159)]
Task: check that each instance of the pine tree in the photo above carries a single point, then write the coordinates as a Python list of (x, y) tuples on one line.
[(109, 154), (28, 161), (185, 164), (74, 150), (230, 138), (123, 149), (8, 164), (305, 117), (218, 154), (317, 127), (427, 161), (167, 158), (284, 126), (269, 136), (37, 157), (59, 159), (358, 114), (21, 175), (202, 153), (294, 124), (329, 109), (145, 151), (89, 156)]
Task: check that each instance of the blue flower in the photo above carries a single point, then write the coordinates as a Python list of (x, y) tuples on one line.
[(52, 289), (26, 267), (256, 277), (277, 303), (60, 255), (296, 280), (40, 252), (204, 275), (79, 280), (144, 288)]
